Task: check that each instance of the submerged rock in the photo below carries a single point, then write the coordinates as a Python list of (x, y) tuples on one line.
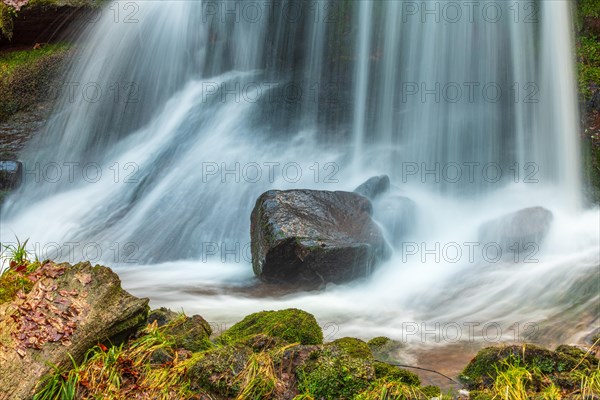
[(67, 310), (11, 174), (518, 231), (312, 237), (397, 215), (374, 187)]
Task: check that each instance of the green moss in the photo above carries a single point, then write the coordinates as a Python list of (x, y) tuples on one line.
[(353, 347), (190, 333), (11, 282), (28, 77), (431, 391), (391, 372), (588, 53), (291, 325), (333, 374), (378, 341), (384, 348), (480, 395), (589, 8)]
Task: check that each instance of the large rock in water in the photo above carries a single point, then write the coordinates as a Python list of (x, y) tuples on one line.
[(68, 310), (518, 231), (312, 237)]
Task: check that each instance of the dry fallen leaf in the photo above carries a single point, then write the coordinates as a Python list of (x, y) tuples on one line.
[(84, 279)]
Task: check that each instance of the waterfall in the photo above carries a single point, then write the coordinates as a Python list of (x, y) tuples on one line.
[(177, 115)]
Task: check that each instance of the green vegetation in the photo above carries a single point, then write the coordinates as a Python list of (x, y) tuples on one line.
[(291, 325), (588, 53), (353, 347), (332, 374), (515, 373), (15, 277), (384, 370), (123, 372), (27, 77), (589, 8)]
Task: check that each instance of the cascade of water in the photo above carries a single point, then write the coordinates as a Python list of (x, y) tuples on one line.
[(205, 105)]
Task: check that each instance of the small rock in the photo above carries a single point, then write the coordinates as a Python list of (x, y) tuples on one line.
[(517, 231), (373, 187), (11, 174)]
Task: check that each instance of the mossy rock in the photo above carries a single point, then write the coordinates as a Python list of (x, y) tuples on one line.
[(333, 374), (217, 370), (482, 370), (353, 347), (384, 348), (378, 341), (190, 333), (291, 325), (392, 372), (162, 316), (572, 356)]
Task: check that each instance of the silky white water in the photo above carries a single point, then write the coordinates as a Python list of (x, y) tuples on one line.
[(177, 115)]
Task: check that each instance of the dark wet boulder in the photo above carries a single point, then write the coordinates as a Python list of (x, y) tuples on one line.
[(374, 187), (311, 237), (11, 174), (519, 231)]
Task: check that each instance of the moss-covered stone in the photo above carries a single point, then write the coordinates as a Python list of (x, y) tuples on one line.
[(353, 347), (291, 325), (378, 341), (162, 316), (384, 348), (333, 374), (190, 333), (217, 370), (392, 372)]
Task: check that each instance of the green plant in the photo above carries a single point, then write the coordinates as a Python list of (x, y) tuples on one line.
[(390, 390), (511, 382), (590, 384), (59, 385), (257, 380), (551, 392), (17, 254)]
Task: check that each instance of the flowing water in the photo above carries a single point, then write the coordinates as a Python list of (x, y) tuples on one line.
[(177, 115)]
